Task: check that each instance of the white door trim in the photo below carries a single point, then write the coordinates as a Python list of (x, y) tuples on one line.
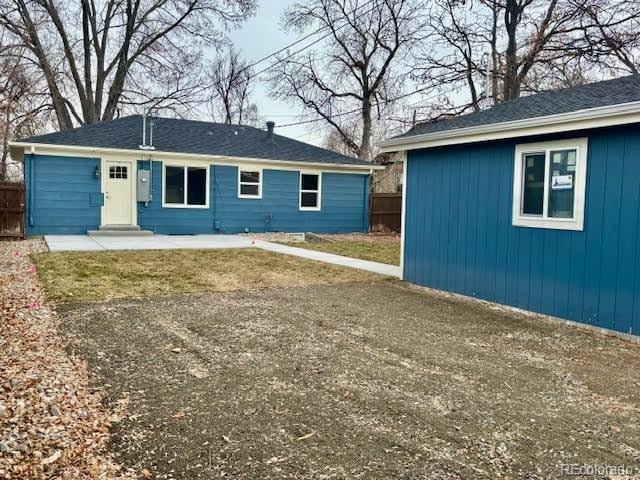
[(104, 175)]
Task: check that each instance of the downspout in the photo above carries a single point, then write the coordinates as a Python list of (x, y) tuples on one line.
[(212, 194), (367, 202), (31, 192), (150, 179)]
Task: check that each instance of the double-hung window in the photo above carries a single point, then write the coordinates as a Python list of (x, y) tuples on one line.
[(185, 186), (249, 183), (310, 191), (549, 184)]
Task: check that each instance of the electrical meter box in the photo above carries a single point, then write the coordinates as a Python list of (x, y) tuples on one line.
[(144, 186)]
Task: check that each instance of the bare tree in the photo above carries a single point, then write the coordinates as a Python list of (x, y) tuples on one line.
[(99, 55), (526, 45), (334, 141), (611, 34), (347, 80), (493, 48), (24, 103), (229, 79), (453, 54)]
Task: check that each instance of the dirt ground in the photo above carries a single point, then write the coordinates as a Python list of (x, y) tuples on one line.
[(361, 380)]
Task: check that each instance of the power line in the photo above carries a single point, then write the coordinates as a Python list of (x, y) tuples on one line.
[(350, 112), (354, 110), (300, 40), (312, 43)]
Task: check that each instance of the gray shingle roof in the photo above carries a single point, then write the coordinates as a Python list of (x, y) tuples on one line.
[(600, 94), (196, 137)]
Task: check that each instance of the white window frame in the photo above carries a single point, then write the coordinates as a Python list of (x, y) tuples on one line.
[(240, 182), (319, 192), (580, 180), (184, 166)]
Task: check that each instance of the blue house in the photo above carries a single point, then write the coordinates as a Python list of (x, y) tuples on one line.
[(176, 176), (534, 204)]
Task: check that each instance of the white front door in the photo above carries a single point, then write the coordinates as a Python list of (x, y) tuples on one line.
[(117, 193)]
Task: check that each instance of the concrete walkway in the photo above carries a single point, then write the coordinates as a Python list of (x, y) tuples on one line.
[(381, 268), (78, 243)]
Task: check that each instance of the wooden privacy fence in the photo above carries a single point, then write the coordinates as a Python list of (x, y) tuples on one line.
[(385, 212), (11, 211)]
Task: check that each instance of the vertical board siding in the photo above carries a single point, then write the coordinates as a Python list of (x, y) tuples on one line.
[(60, 194), (344, 205), (459, 235)]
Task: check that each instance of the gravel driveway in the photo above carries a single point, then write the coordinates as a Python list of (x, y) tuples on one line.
[(356, 381)]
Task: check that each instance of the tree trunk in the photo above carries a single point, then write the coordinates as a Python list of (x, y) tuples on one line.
[(365, 142), (511, 20), (494, 54), (5, 142)]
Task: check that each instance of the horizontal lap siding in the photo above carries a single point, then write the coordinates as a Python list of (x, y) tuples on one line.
[(179, 221), (459, 235), (344, 205), (61, 194)]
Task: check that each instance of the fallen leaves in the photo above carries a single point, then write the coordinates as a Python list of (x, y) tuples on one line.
[(52, 425), (56, 455)]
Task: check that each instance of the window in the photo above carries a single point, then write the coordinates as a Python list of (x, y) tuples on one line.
[(549, 184), (310, 186), (249, 183), (186, 187), (118, 172)]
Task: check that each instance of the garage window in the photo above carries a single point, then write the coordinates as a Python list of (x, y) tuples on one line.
[(310, 191), (249, 183), (185, 186), (549, 184)]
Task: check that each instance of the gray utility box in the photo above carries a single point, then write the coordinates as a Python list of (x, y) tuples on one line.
[(144, 186)]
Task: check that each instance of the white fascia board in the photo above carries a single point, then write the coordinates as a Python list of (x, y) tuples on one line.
[(599, 117), (158, 154)]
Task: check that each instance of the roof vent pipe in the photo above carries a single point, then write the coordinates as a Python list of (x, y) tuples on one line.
[(147, 119), (270, 126)]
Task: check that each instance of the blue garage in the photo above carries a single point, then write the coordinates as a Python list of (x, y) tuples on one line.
[(533, 204), (175, 176)]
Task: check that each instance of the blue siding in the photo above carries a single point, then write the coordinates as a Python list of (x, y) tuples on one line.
[(63, 194), (459, 235), (344, 205)]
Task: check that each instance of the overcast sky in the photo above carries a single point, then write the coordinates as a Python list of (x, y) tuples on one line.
[(261, 36)]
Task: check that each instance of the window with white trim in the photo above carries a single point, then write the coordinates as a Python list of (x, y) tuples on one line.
[(310, 191), (549, 184), (185, 186), (249, 183)]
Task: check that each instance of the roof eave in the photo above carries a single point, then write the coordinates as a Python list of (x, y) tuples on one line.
[(599, 117), (34, 146)]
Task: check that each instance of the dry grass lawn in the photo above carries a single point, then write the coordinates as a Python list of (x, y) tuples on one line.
[(101, 276), (367, 247)]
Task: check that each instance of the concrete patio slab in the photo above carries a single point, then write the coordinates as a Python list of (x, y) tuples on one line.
[(71, 243), (66, 243)]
